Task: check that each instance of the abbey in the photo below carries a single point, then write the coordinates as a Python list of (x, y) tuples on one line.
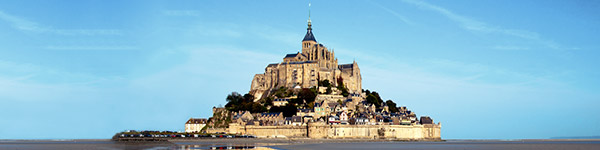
[(309, 94), (305, 69)]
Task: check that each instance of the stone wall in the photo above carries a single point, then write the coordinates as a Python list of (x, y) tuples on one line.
[(216, 130), (322, 130), (287, 131)]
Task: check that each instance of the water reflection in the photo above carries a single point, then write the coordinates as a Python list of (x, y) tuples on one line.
[(201, 146)]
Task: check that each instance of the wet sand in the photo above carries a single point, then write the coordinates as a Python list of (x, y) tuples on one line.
[(452, 145), (344, 144), (79, 144), (301, 144)]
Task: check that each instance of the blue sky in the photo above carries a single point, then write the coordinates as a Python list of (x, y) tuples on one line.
[(485, 69)]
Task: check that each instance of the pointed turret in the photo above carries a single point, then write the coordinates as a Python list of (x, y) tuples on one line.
[(309, 35), (309, 39)]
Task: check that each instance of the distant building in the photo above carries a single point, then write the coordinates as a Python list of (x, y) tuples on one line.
[(281, 101), (343, 117), (270, 118), (426, 120), (339, 108), (195, 124), (305, 68), (295, 121), (242, 117), (334, 120)]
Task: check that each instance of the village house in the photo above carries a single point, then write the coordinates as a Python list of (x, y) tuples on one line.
[(270, 118), (343, 117), (294, 121), (281, 101), (195, 124), (242, 117)]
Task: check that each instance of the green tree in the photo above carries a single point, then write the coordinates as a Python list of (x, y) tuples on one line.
[(371, 99), (379, 100), (256, 108), (392, 106), (233, 99), (307, 95), (341, 87), (328, 90), (340, 81), (248, 98), (237, 102), (281, 92), (268, 101), (288, 110), (325, 83)]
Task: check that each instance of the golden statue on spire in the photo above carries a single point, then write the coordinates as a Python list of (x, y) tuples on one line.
[(309, 23)]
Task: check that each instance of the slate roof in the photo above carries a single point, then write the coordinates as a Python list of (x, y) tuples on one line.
[(296, 119), (270, 114), (196, 121), (309, 36), (332, 104), (302, 62), (281, 99), (346, 66), (291, 55)]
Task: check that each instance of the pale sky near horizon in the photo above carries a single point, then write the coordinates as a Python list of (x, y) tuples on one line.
[(486, 69)]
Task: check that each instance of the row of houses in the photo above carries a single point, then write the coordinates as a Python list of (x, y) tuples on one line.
[(328, 108)]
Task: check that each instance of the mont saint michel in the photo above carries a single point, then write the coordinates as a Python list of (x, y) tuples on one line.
[(299, 75), (310, 95)]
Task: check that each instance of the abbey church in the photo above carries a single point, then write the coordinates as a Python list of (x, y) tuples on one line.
[(305, 69), (310, 95)]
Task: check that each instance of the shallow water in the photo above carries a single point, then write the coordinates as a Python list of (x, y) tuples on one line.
[(447, 145)]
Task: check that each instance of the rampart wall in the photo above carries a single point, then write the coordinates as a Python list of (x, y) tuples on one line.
[(321, 131)]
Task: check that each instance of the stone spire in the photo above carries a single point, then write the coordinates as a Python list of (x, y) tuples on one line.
[(309, 35)]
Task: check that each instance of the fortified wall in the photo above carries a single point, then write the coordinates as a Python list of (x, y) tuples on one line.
[(325, 131)]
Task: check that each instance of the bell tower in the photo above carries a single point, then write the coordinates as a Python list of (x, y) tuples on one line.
[(309, 39)]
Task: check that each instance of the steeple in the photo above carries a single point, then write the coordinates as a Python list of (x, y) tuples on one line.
[(309, 35), (309, 25)]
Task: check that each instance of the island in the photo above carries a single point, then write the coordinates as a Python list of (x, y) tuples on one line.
[(310, 95)]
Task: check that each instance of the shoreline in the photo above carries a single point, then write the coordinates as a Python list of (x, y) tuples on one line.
[(306, 140), (302, 144), (295, 140), (285, 141)]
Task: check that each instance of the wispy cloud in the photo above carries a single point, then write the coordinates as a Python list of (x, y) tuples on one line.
[(23, 24), (217, 30), (84, 31), (449, 70), (251, 30), (19, 80), (398, 15), (478, 26), (181, 12), (276, 35), (206, 66), (19, 23), (509, 47), (91, 47)]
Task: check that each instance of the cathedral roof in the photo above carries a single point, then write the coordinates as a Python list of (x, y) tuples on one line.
[(345, 66), (291, 55), (302, 62), (309, 36)]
